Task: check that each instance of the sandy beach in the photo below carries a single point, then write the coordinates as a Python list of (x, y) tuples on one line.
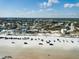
[(36, 53)]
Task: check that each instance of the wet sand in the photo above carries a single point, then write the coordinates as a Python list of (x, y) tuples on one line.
[(36, 53)]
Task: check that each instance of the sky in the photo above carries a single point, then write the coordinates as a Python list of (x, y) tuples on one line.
[(40, 8)]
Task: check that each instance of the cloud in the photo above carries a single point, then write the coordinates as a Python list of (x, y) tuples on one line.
[(49, 9), (45, 10), (47, 13), (68, 5), (48, 4), (77, 5), (53, 1)]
